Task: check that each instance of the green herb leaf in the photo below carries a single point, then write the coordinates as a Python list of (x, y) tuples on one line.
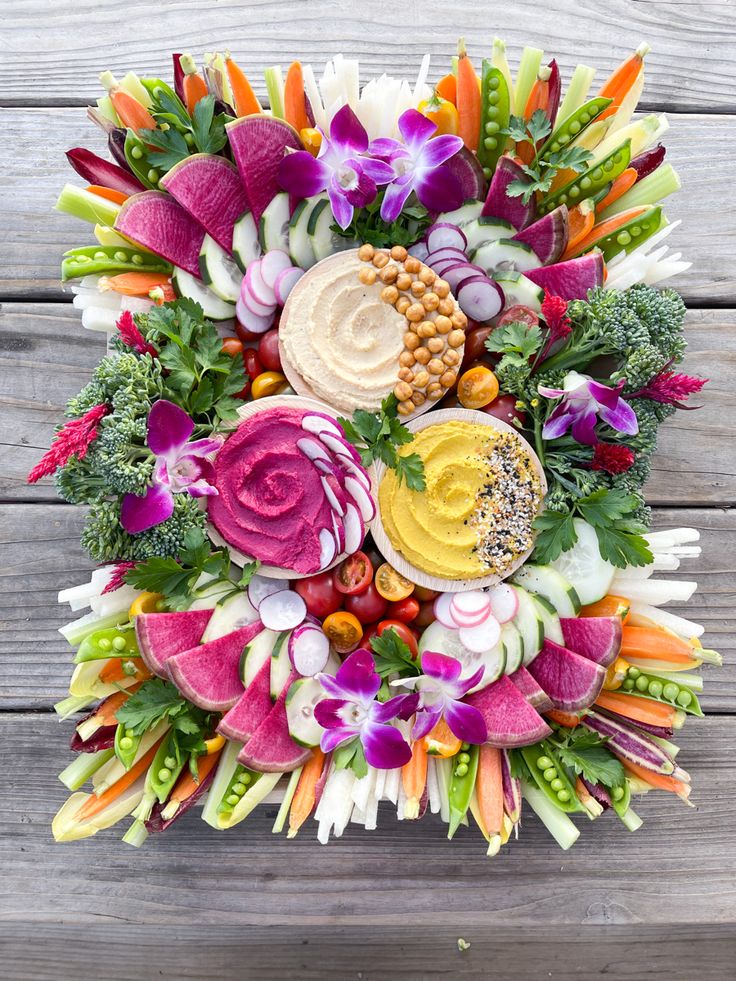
[(154, 701), (350, 755), (391, 655), (586, 754), (556, 534), (516, 337), (378, 435), (170, 142)]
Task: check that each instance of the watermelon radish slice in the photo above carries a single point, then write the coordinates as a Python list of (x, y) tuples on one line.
[(156, 221), (209, 675), (258, 143), (160, 635), (251, 708), (531, 690), (548, 236), (510, 719), (571, 681), (597, 638), (209, 188), (499, 204), (271, 748), (572, 279), (464, 165)]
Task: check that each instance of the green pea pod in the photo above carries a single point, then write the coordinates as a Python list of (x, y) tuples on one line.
[(664, 690), (622, 804), (462, 785), (591, 180), (136, 153), (166, 767), (495, 112), (570, 128), (93, 259), (547, 769), (241, 780), (126, 745), (110, 642), (156, 86), (632, 234)]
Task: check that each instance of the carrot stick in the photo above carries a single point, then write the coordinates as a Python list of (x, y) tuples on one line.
[(446, 88), (186, 785), (106, 710), (659, 780), (94, 804), (468, 99), (132, 114), (609, 226), (295, 103), (609, 606), (305, 795), (108, 192), (581, 220), (619, 187), (113, 671), (567, 719), (195, 87), (489, 789), (414, 779), (134, 283), (657, 644), (246, 102), (623, 78), (637, 709)]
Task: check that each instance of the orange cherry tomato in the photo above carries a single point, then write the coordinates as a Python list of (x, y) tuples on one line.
[(405, 633), (232, 346), (477, 387), (391, 584), (343, 630), (267, 383)]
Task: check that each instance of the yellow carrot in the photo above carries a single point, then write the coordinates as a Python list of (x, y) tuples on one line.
[(305, 795), (414, 779)]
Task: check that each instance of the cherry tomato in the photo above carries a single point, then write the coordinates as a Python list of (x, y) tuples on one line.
[(368, 605), (252, 363), (232, 346), (425, 615), (268, 350), (424, 595), (504, 408), (391, 584), (343, 630), (518, 312), (320, 594), (267, 383), (354, 574), (406, 610), (405, 633), (477, 387), (370, 632), (475, 346)]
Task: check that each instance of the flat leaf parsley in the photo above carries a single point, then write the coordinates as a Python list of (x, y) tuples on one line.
[(378, 436)]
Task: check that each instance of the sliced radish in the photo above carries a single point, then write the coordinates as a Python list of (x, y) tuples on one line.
[(458, 272), (482, 637), (443, 266), (354, 529), (361, 497), (249, 320), (480, 298), (282, 611), (328, 548), (468, 621), (309, 649), (259, 309), (504, 602), (338, 444), (285, 283), (355, 469), (447, 253), (319, 425), (260, 587), (312, 449), (338, 529), (470, 608), (444, 235), (419, 250), (273, 263), (330, 493), (441, 610), (257, 285)]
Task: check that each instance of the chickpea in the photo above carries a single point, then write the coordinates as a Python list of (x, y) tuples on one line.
[(380, 259), (418, 288), (422, 355), (367, 276), (456, 338), (430, 301), (389, 273), (415, 313), (411, 340), (407, 359), (402, 304), (398, 252), (446, 306), (451, 358), (421, 379), (419, 398), (436, 345), (448, 379), (459, 319), (366, 252), (441, 288), (434, 391), (403, 281), (443, 324), (412, 264), (406, 375), (426, 329), (389, 294), (427, 275), (405, 408), (403, 391), (435, 366)]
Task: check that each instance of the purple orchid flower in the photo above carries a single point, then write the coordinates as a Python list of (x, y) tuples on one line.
[(584, 401), (440, 694), (353, 712), (180, 467), (350, 179), (418, 166)]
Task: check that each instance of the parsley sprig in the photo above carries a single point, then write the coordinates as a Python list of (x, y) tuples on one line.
[(378, 436), (368, 226), (203, 131), (541, 173), (517, 341), (392, 655), (585, 753)]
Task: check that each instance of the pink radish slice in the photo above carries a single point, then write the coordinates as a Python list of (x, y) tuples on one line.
[(338, 530), (249, 320), (257, 285), (347, 463), (419, 250), (337, 444), (313, 450), (457, 273), (261, 586), (354, 529), (361, 497), (449, 252), (443, 234), (504, 602), (470, 608), (466, 621), (327, 549), (331, 496), (282, 611), (441, 610), (309, 650), (319, 425), (274, 262), (480, 298), (444, 265), (259, 309), (482, 637), (285, 283)]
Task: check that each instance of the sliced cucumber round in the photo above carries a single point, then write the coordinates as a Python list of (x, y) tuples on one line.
[(246, 246), (280, 664), (256, 654), (549, 618), (219, 270), (213, 306), (301, 698), (505, 254), (437, 637), (300, 248), (584, 567), (273, 230), (481, 231), (518, 289), (514, 644), (468, 211), (529, 624), (547, 582), (322, 238)]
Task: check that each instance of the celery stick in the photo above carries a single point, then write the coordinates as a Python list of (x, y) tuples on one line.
[(631, 820), (84, 204), (75, 632), (132, 85), (649, 190), (280, 821), (531, 59), (106, 108), (577, 91), (693, 681), (225, 769), (555, 821), (81, 769), (500, 61), (275, 87), (669, 747), (68, 706), (136, 834)]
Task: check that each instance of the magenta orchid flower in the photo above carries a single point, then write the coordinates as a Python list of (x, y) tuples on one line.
[(180, 467), (418, 166), (353, 712), (440, 691), (350, 178), (583, 402)]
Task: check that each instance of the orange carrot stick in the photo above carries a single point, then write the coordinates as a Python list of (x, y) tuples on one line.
[(567, 719), (581, 220), (94, 804), (414, 779), (637, 709), (656, 644), (609, 226), (113, 670), (132, 114), (609, 606), (295, 102), (659, 780), (108, 192), (624, 77), (305, 795), (446, 88), (619, 187), (246, 102), (134, 283), (186, 785), (489, 789), (106, 710), (468, 99), (194, 86)]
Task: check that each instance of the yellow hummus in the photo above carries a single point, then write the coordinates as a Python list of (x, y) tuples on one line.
[(475, 516)]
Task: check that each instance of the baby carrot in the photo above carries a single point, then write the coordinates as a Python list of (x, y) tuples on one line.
[(295, 103), (638, 709), (246, 102), (414, 779), (623, 80), (567, 719), (106, 710), (619, 187), (657, 644), (468, 99), (131, 113), (94, 804), (113, 670), (186, 785), (195, 87), (108, 192), (489, 790), (305, 795), (659, 780), (608, 227), (581, 220)]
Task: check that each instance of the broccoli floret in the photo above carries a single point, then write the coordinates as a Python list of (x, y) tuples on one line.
[(78, 483), (641, 366), (106, 541), (662, 312)]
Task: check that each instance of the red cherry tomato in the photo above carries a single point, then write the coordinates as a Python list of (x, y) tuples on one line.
[(518, 312), (232, 346), (405, 610), (245, 335), (405, 633), (475, 347), (268, 350), (504, 408), (320, 595), (425, 615), (423, 594), (354, 574), (367, 606), (253, 364), (370, 632)]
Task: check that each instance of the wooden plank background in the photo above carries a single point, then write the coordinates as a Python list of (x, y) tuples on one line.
[(393, 904)]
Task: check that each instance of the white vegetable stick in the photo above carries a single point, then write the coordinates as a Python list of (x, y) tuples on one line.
[(351, 81), (391, 790), (443, 781), (336, 805), (76, 594), (657, 592), (357, 817), (401, 803), (663, 618), (687, 551), (665, 270), (371, 814), (315, 99), (364, 788), (433, 787), (95, 318), (662, 562), (421, 80), (380, 785), (115, 602), (672, 536)]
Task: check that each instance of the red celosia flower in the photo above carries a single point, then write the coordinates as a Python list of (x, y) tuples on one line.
[(671, 388), (131, 336), (612, 457), (72, 439), (554, 311), (118, 576)]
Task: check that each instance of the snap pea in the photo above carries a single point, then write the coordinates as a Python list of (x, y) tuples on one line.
[(495, 112), (240, 781), (590, 181), (621, 798), (632, 234), (462, 785), (664, 690), (166, 767), (126, 745), (136, 153), (93, 259), (551, 776), (156, 87), (110, 642), (573, 126)]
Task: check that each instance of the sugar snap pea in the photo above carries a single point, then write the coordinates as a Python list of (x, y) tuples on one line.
[(156, 87), (551, 776), (126, 745), (240, 781), (109, 642), (166, 767), (94, 259), (461, 785), (495, 112), (136, 153), (669, 692), (621, 798), (573, 126), (591, 180), (627, 237)]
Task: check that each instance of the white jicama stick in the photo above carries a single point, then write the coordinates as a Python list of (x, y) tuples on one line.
[(336, 805), (687, 551), (315, 99), (391, 790), (673, 536), (443, 782), (433, 787), (357, 817), (115, 602), (656, 592), (421, 80), (364, 788), (380, 785), (401, 802), (371, 814), (663, 618)]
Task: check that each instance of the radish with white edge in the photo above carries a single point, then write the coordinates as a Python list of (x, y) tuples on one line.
[(470, 608), (456, 274), (272, 264), (504, 602), (354, 530), (257, 285), (338, 530), (361, 497), (442, 235), (285, 283), (449, 252), (482, 637), (419, 250), (309, 649), (442, 612), (259, 309), (319, 425), (283, 610), (313, 450), (338, 444), (331, 495), (327, 548), (250, 320), (260, 587), (480, 298), (347, 463)]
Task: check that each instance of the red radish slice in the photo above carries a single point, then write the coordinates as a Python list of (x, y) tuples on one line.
[(328, 548), (339, 445), (504, 602), (458, 272), (354, 531), (482, 637), (443, 265), (419, 250), (320, 424), (285, 283), (470, 608), (313, 450), (332, 496), (338, 529), (361, 497), (257, 285), (466, 621), (449, 252), (347, 463), (282, 611), (441, 610), (309, 650), (259, 309), (480, 298), (273, 263), (249, 320), (260, 587), (443, 234)]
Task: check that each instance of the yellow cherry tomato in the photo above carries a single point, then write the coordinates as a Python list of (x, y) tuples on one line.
[(146, 603), (312, 139), (391, 584), (267, 383), (478, 386), (343, 630), (442, 113)]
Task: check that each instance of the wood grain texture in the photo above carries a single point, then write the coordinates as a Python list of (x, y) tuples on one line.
[(35, 237), (79, 41)]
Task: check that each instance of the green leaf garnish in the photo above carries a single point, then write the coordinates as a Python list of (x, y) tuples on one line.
[(378, 435), (392, 655)]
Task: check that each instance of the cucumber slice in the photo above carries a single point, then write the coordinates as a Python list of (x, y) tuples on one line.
[(514, 644), (303, 695), (549, 618), (494, 661), (518, 289), (584, 567), (213, 306), (280, 664), (273, 230), (529, 624), (300, 248), (246, 246), (547, 582), (256, 654), (437, 637), (483, 230), (235, 612), (468, 211), (322, 238), (505, 254), (219, 271)]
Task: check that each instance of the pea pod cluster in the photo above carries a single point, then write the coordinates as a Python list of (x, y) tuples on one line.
[(494, 117), (126, 745), (240, 781), (631, 234), (91, 260), (570, 128), (551, 776), (109, 642), (664, 690), (166, 767), (590, 181), (462, 784)]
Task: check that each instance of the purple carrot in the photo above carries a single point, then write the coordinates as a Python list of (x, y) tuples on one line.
[(555, 84), (116, 145), (96, 170), (511, 789), (648, 161), (600, 793), (664, 732), (631, 744), (178, 77)]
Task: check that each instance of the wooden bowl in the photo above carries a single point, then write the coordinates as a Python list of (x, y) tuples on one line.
[(397, 560), (247, 410)]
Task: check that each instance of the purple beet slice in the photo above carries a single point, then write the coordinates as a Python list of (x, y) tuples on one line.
[(499, 204), (572, 279), (156, 822), (209, 188), (465, 167), (531, 690), (571, 681), (160, 635), (271, 748), (156, 221), (259, 143), (251, 708), (548, 236), (597, 638), (510, 719), (209, 675)]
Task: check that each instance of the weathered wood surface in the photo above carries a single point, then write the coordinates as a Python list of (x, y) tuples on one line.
[(698, 146)]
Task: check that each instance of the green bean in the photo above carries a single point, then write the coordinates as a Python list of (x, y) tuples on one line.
[(495, 112), (570, 128), (553, 780), (110, 642), (462, 785), (661, 690), (126, 745), (632, 234), (591, 181), (93, 259)]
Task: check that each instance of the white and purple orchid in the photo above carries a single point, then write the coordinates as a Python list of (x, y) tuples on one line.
[(583, 402), (441, 691), (353, 713), (341, 168), (418, 165), (180, 467)]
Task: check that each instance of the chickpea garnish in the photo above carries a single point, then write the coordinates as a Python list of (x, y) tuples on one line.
[(402, 304), (448, 379), (435, 366), (367, 276), (415, 313), (403, 281), (419, 398), (427, 275), (441, 288), (412, 264), (366, 252), (430, 301), (459, 319), (456, 338), (405, 408), (443, 324), (398, 252), (426, 329), (434, 391), (418, 288), (422, 355), (403, 391), (389, 294), (411, 340), (407, 359), (421, 379), (435, 345), (451, 358), (446, 306), (380, 259), (406, 374), (389, 273)]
